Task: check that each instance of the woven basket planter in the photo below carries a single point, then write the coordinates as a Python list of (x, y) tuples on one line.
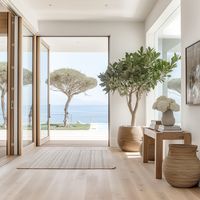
[(130, 138), (182, 167)]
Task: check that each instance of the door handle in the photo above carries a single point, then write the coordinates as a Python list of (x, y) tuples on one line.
[(12, 105)]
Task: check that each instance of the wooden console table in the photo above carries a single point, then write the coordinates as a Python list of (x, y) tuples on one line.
[(159, 137)]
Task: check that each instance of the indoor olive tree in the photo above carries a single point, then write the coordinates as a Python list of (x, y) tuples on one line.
[(136, 74)]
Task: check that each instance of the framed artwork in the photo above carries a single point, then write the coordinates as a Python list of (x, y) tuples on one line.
[(192, 54)]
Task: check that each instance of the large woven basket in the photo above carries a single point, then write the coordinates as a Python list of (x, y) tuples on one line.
[(130, 138), (182, 167)]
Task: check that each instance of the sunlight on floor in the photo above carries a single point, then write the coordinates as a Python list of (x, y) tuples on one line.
[(133, 155), (78, 135), (97, 131)]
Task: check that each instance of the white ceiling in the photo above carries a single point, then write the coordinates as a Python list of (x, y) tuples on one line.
[(2, 8), (77, 44), (132, 10)]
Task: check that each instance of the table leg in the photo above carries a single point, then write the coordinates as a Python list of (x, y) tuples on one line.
[(187, 138), (145, 148), (158, 155)]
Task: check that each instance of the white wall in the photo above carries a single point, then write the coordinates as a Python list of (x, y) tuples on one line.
[(190, 29), (156, 12), (124, 37), (22, 10)]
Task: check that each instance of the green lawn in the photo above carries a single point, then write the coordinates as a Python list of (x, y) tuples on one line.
[(76, 126)]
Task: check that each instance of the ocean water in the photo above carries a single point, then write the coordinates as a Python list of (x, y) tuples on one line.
[(80, 113), (77, 113)]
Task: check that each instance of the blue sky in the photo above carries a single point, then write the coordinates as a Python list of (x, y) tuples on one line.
[(91, 64), (88, 63)]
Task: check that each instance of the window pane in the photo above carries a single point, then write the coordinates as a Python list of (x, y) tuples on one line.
[(44, 92), (172, 86), (27, 86), (3, 84), (168, 40)]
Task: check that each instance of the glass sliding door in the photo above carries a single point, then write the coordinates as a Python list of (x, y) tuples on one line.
[(44, 91), (3, 81), (27, 97)]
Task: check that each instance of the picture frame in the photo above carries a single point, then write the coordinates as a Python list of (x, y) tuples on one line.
[(192, 55)]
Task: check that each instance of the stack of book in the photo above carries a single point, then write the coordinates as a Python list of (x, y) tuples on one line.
[(174, 128), (155, 124)]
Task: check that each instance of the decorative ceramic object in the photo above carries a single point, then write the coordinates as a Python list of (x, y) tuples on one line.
[(166, 106), (130, 138), (168, 118), (182, 167)]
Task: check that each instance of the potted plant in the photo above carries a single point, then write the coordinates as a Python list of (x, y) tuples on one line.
[(133, 76)]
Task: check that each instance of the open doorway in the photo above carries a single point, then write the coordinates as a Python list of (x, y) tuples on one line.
[(78, 106)]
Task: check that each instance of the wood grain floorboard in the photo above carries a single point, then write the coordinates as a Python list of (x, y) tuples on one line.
[(76, 143), (131, 180), (68, 158), (2, 151)]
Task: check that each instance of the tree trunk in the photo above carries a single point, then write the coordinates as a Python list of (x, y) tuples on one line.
[(66, 114), (132, 110), (133, 114), (30, 116), (3, 108)]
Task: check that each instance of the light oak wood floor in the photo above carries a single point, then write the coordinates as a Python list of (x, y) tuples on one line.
[(76, 143), (132, 180)]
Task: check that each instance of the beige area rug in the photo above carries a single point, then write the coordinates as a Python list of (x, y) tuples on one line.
[(69, 159)]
